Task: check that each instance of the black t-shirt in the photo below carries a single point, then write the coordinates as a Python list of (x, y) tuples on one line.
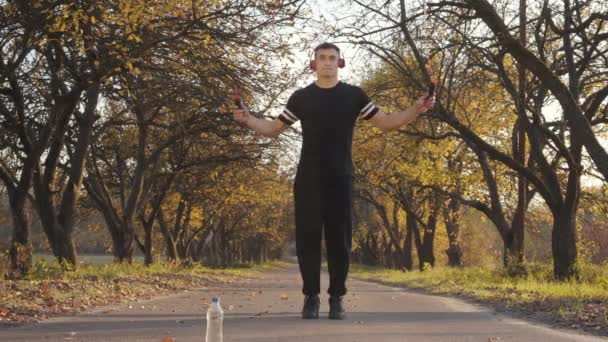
[(328, 117)]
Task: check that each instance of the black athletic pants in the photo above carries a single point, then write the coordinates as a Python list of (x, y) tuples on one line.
[(323, 205)]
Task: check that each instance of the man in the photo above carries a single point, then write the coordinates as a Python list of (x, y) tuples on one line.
[(328, 109)]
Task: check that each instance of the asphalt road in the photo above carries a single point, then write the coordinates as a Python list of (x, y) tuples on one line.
[(268, 309)]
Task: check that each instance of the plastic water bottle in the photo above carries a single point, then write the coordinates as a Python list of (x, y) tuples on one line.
[(215, 319)]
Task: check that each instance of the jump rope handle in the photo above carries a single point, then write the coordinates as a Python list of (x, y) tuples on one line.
[(236, 98), (431, 90)]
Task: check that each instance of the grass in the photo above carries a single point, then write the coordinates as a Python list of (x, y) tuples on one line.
[(88, 258), (42, 269), (490, 283), (49, 291), (577, 304)]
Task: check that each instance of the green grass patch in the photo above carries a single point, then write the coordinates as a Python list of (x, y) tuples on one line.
[(537, 283), (580, 304)]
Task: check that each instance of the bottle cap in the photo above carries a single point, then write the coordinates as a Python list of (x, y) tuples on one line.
[(215, 299)]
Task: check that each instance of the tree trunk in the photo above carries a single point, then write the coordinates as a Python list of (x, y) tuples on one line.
[(428, 254), (182, 238), (60, 238), (217, 255), (122, 233), (411, 225), (57, 203), (170, 244), (123, 245), (513, 255), (148, 255), (454, 253), (65, 244), (383, 248), (20, 253), (265, 253), (452, 226), (514, 244), (418, 245), (171, 248), (428, 242), (563, 245)]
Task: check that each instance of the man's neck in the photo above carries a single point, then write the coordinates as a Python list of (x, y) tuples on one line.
[(323, 82)]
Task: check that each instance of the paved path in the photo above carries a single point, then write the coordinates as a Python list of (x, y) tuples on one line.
[(255, 311)]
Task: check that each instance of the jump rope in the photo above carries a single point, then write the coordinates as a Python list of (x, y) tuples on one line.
[(429, 67)]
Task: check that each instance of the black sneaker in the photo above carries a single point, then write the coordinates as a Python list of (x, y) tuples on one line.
[(311, 307), (336, 308)]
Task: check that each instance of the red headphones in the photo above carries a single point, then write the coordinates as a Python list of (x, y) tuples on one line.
[(313, 61)]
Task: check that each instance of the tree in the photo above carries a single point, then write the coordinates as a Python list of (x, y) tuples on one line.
[(58, 59), (555, 156), (173, 93)]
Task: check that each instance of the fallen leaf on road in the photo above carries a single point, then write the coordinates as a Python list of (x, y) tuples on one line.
[(284, 296), (168, 339)]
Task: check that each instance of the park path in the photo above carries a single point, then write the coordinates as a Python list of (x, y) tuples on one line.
[(268, 309)]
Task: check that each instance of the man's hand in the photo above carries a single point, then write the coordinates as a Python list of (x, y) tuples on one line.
[(424, 103), (267, 128), (241, 115)]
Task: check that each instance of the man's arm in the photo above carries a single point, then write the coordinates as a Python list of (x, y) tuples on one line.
[(388, 122), (268, 128)]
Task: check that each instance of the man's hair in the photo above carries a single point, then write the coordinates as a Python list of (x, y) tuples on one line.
[(326, 46)]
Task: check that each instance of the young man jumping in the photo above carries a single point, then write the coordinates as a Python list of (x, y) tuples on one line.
[(327, 109)]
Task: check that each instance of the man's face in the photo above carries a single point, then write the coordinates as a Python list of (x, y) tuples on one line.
[(327, 62)]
